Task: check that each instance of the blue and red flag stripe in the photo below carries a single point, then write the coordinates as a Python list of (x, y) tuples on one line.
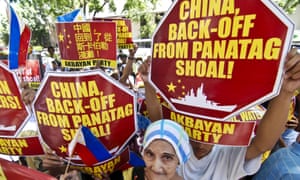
[(88, 147), (18, 41)]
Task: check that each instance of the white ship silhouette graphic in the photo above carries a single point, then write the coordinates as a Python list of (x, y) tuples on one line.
[(200, 100), (8, 128)]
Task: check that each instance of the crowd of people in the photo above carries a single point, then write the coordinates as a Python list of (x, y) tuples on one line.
[(169, 154)]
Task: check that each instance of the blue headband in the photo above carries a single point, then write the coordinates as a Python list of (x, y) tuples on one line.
[(173, 133)]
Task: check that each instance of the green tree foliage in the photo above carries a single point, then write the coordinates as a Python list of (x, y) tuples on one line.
[(142, 11), (96, 6), (3, 30), (41, 15), (288, 6)]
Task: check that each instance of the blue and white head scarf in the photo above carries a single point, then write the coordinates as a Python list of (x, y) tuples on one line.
[(171, 132)]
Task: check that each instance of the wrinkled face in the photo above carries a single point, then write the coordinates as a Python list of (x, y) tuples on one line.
[(200, 149), (161, 160)]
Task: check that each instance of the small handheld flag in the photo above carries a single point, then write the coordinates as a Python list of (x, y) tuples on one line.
[(88, 147)]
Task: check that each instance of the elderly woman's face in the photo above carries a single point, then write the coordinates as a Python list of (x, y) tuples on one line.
[(161, 160)]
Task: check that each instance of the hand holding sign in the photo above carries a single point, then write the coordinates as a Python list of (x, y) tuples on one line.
[(144, 70), (28, 93), (292, 71), (53, 163)]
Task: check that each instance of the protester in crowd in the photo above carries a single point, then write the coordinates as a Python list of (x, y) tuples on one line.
[(52, 60), (121, 60), (225, 162), (165, 146), (127, 68), (282, 164)]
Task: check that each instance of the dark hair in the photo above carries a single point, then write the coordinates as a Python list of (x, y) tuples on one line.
[(50, 47), (122, 56)]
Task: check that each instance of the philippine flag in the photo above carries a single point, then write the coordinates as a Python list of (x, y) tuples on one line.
[(88, 147), (76, 15), (18, 41)]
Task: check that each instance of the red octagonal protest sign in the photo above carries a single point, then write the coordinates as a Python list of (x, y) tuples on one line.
[(13, 112), (214, 59), (67, 100)]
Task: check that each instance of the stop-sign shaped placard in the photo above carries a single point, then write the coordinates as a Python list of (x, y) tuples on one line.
[(66, 100), (13, 112), (214, 59)]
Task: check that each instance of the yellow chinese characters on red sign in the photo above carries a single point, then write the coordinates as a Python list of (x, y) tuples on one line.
[(124, 32), (83, 44)]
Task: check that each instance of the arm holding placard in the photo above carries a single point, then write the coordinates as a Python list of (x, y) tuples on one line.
[(128, 68), (28, 93), (153, 105), (278, 109)]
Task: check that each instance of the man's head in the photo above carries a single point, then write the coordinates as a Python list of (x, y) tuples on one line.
[(51, 50), (200, 150), (123, 58)]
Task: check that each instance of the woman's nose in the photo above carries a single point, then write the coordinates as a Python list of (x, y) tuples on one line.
[(157, 166)]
